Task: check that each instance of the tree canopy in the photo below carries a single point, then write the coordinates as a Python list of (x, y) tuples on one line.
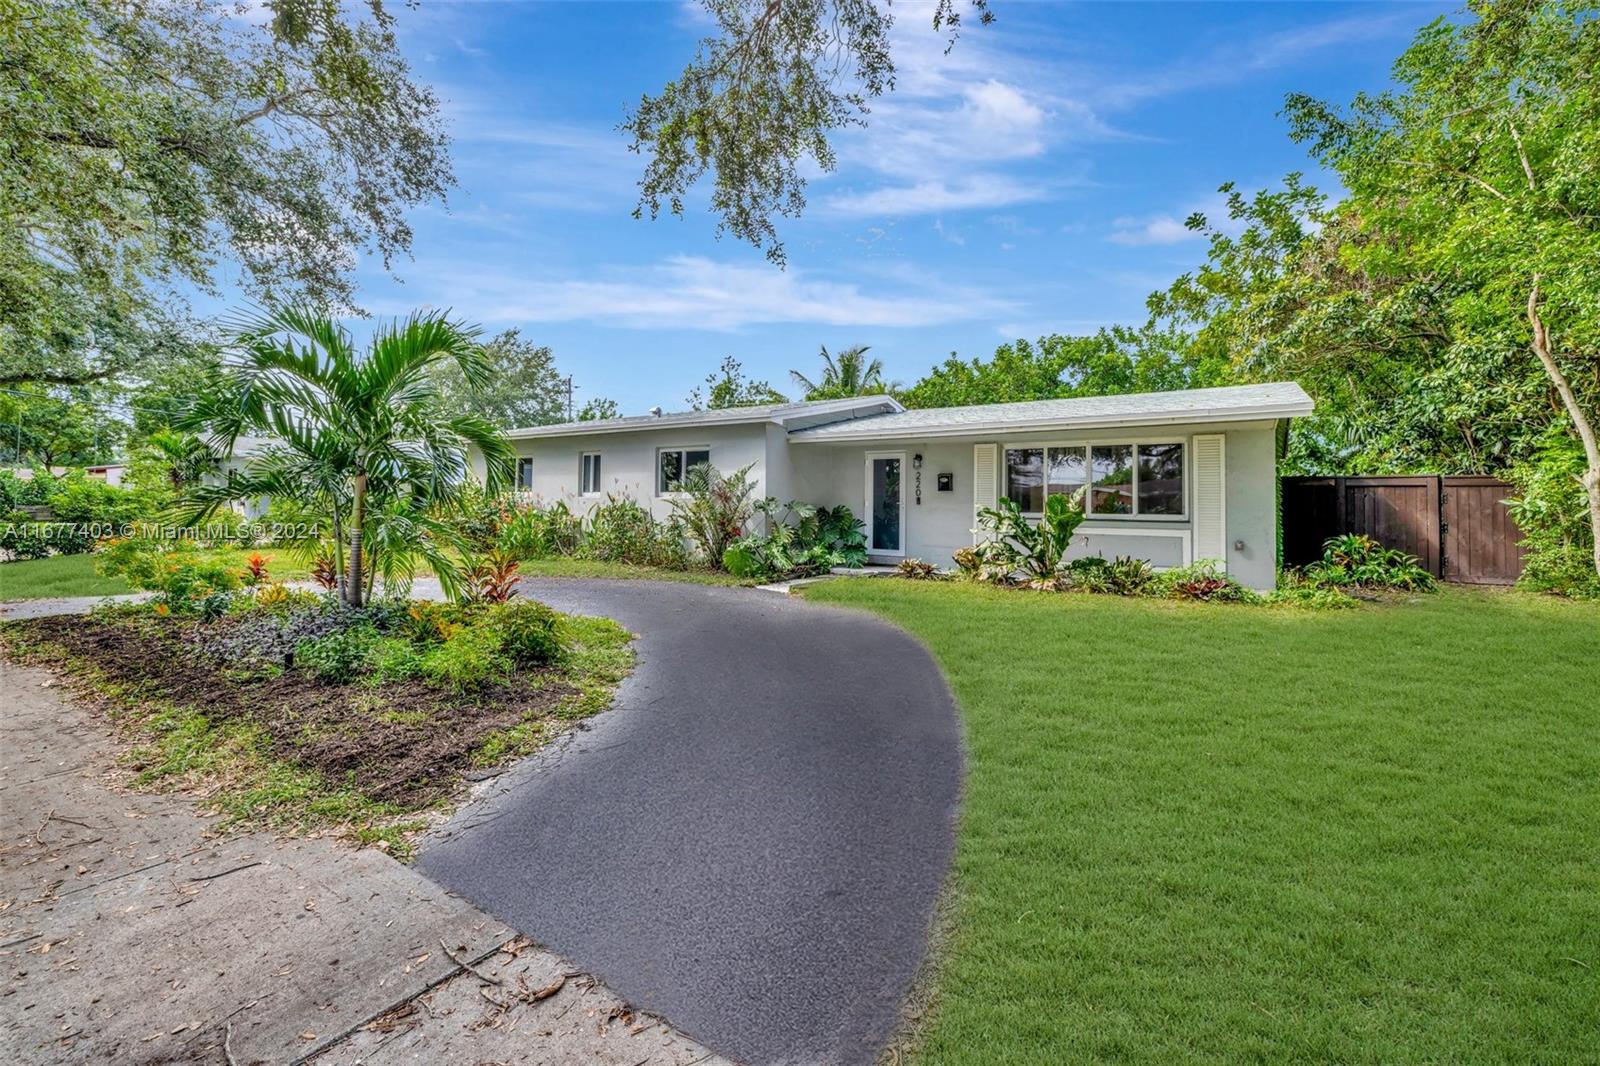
[(760, 102), (147, 146), (729, 387), (1114, 360), (522, 387), (850, 373), (1446, 312)]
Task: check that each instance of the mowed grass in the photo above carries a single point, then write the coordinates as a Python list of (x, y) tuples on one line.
[(1227, 834), (58, 575), (75, 575)]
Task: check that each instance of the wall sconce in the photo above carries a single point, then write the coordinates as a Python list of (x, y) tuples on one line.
[(916, 464)]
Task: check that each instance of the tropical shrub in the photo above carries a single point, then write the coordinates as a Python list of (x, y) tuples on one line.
[(528, 531), (743, 560), (1204, 579), (713, 508), (969, 562), (489, 579), (341, 655), (480, 516), (800, 540), (1032, 551), (1122, 576), (427, 622), (838, 530), (392, 658), (21, 537), (1355, 560), (621, 530), (530, 632), (1551, 511), (917, 570), (471, 657)]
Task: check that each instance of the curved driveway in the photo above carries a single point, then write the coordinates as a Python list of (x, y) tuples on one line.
[(751, 843)]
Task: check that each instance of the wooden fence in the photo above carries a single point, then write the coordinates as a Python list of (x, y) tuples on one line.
[(1457, 526)]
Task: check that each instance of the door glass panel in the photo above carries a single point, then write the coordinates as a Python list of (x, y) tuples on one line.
[(886, 504)]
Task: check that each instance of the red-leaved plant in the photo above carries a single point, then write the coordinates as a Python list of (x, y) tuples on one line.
[(492, 579)]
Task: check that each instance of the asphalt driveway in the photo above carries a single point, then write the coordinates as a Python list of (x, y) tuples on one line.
[(751, 843)]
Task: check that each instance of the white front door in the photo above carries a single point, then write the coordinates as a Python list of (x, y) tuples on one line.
[(886, 503)]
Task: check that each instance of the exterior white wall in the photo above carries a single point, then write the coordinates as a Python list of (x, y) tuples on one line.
[(836, 473), (628, 462)]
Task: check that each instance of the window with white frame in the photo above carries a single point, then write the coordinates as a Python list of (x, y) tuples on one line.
[(673, 463), (524, 473), (589, 473), (1121, 480)]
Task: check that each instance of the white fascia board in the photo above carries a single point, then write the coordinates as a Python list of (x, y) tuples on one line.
[(697, 420), (968, 429)]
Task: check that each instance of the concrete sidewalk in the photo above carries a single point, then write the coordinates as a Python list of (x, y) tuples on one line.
[(129, 932)]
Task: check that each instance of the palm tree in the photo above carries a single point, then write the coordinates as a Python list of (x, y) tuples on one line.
[(186, 456), (848, 374), (360, 438)]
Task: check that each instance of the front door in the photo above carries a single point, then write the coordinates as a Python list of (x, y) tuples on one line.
[(886, 504)]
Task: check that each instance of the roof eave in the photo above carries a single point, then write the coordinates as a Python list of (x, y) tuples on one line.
[(968, 429), (578, 429)]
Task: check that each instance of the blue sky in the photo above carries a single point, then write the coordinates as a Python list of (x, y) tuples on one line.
[(1034, 180)]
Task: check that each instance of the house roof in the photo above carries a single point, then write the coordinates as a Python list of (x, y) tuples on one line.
[(781, 413), (1233, 403)]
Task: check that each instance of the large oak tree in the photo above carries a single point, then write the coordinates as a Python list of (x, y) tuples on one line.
[(149, 146)]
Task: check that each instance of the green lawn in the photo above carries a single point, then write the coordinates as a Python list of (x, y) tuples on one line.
[(1225, 834), (75, 575), (59, 575)]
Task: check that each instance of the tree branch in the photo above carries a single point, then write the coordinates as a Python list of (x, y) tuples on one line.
[(49, 377), (1580, 421), (1460, 174), (1527, 167)]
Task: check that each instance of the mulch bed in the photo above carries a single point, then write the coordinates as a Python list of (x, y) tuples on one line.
[(404, 743)]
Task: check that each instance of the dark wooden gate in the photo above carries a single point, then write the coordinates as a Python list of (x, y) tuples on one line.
[(1456, 526), (1480, 538)]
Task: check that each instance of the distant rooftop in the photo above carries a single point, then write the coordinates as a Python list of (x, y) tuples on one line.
[(1232, 403), (781, 413)]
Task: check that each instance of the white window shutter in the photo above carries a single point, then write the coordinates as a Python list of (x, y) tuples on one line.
[(985, 481), (1210, 498)]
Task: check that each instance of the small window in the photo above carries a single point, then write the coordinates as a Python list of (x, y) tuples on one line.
[(1112, 466), (589, 473), (524, 473), (1025, 479), (673, 463), (1161, 479)]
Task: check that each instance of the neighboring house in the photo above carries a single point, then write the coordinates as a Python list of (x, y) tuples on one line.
[(111, 473), (1171, 477)]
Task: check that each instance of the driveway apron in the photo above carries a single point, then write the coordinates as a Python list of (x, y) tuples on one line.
[(751, 843)]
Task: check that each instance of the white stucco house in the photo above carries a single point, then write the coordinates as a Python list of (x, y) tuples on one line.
[(1172, 477)]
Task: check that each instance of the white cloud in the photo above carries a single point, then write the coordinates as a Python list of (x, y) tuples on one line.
[(1155, 229), (692, 292), (956, 135), (927, 197)]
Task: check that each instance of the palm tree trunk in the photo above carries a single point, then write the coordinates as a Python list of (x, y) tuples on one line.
[(355, 587)]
